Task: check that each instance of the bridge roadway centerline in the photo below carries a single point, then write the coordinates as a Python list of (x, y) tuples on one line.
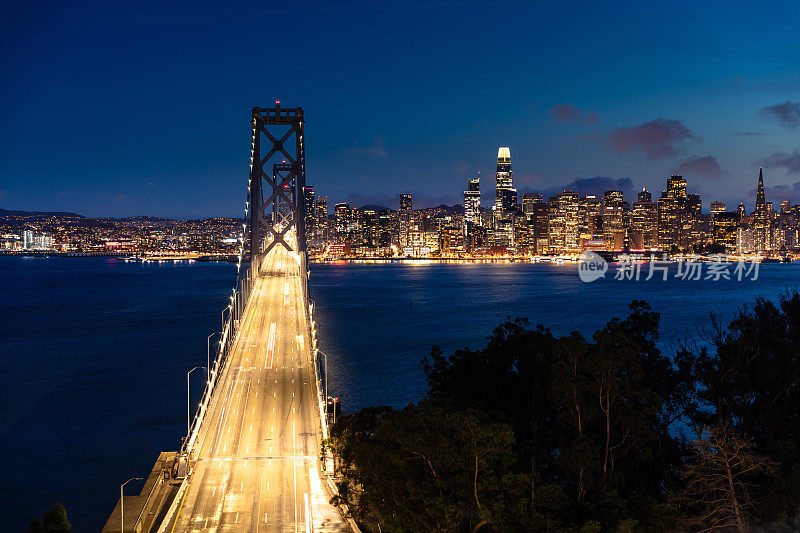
[(257, 450)]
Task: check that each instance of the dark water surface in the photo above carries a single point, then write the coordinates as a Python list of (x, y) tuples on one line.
[(94, 351)]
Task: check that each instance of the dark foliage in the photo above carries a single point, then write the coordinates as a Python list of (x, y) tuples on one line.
[(55, 521), (542, 433)]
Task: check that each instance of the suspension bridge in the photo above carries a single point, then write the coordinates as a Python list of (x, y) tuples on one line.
[(252, 458)]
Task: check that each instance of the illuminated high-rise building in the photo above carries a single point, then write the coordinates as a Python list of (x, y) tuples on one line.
[(564, 224), (405, 201), (310, 215), (343, 217), (404, 219), (472, 202), (672, 214), (505, 199), (613, 220), (472, 212), (644, 222), (322, 218), (529, 199), (718, 207), (724, 231)]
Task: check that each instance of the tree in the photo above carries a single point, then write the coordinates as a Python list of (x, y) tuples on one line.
[(750, 373), (427, 468), (719, 479), (55, 521)]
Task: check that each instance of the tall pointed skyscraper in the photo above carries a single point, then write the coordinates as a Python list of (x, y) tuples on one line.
[(761, 201)]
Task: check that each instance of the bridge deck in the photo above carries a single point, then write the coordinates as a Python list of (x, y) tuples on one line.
[(258, 449)]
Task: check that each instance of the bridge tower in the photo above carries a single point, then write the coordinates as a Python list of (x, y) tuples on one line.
[(277, 178)]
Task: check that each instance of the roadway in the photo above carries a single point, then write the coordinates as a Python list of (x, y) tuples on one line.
[(257, 450)]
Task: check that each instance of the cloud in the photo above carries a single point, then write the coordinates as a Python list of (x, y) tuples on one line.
[(655, 139), (376, 150), (747, 133), (596, 185), (3, 194), (786, 113), (117, 197), (461, 168), (701, 167), (791, 161), (569, 113)]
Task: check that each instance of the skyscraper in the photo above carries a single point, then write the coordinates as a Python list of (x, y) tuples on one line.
[(343, 222), (322, 218), (529, 199), (405, 201), (564, 224), (505, 199), (762, 223), (613, 224), (472, 212), (310, 216), (644, 222), (672, 213), (761, 203), (472, 202), (404, 216), (718, 207)]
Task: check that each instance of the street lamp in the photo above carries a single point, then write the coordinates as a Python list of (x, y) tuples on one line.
[(223, 316), (188, 416), (121, 504), (325, 358), (208, 353)]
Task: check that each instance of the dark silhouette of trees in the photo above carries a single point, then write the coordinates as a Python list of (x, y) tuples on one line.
[(542, 433), (55, 521)]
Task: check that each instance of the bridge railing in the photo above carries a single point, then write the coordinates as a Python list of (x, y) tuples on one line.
[(239, 298)]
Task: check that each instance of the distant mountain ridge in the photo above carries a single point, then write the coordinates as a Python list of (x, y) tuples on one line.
[(10, 212), (64, 214)]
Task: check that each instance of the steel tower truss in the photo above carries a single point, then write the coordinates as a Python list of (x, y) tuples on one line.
[(276, 198)]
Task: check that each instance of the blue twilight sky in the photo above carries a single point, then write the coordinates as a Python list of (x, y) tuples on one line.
[(121, 108)]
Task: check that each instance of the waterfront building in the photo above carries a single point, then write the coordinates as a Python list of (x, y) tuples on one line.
[(32, 240), (725, 225)]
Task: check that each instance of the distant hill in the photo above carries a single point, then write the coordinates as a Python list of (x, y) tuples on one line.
[(374, 207), (450, 209), (7, 212)]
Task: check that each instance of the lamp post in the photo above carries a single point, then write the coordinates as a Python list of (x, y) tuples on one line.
[(208, 353), (188, 415), (222, 325), (121, 504), (325, 359)]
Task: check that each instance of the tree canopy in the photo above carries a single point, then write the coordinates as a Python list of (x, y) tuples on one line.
[(535, 432)]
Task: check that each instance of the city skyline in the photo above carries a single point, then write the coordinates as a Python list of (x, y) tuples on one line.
[(392, 107)]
